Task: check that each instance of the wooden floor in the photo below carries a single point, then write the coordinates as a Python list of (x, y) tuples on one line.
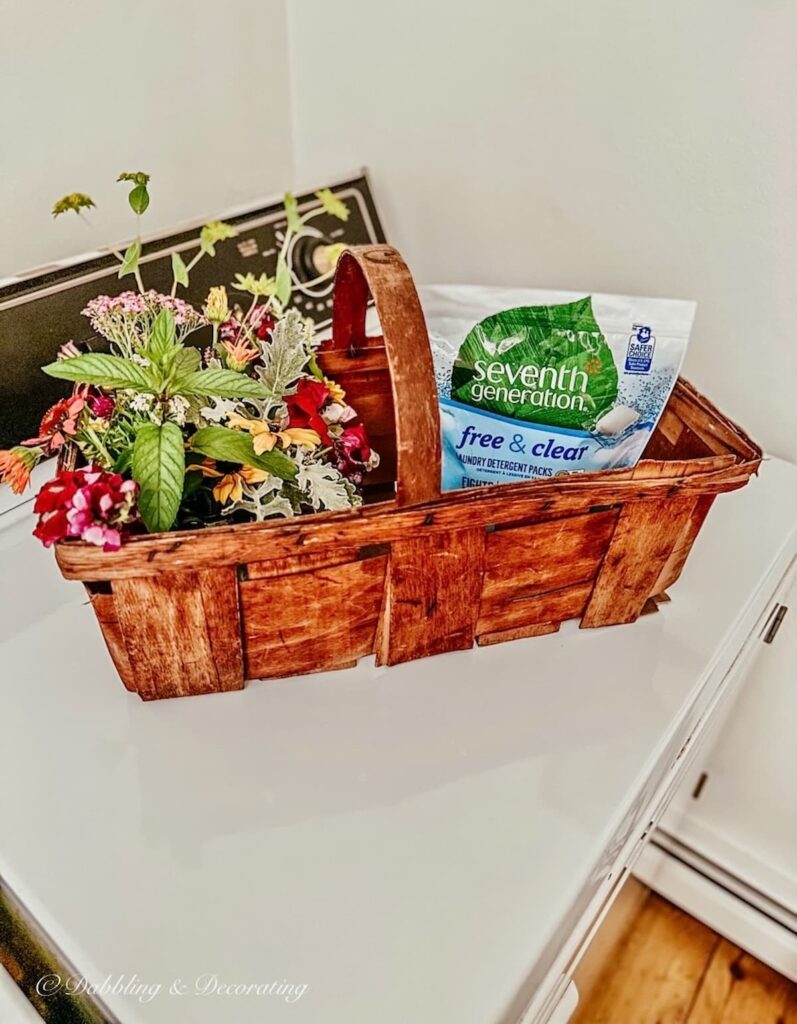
[(671, 969)]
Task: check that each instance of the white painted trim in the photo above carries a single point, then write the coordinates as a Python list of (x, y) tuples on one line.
[(739, 922)]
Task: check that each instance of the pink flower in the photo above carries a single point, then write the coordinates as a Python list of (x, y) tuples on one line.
[(68, 350), (87, 504), (105, 537)]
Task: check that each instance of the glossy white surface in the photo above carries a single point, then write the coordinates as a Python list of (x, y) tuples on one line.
[(411, 843)]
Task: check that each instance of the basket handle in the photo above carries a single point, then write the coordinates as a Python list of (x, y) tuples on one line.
[(380, 271)]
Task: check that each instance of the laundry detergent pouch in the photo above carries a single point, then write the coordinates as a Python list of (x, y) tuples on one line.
[(536, 383)]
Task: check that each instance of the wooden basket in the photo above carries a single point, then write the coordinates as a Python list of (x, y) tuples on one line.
[(415, 573)]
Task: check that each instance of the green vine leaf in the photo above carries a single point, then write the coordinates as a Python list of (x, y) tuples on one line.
[(138, 199), (332, 204), (295, 221), (282, 282), (213, 232), (215, 383), (258, 287), (104, 371), (139, 194), (236, 446), (179, 270), (131, 258), (159, 470)]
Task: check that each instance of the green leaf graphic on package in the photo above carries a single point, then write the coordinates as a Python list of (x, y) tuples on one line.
[(546, 364)]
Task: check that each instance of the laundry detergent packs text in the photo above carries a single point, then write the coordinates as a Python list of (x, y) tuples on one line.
[(534, 383)]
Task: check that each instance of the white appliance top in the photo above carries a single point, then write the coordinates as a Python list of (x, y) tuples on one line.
[(409, 843)]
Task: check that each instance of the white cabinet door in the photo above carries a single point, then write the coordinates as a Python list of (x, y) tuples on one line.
[(738, 807)]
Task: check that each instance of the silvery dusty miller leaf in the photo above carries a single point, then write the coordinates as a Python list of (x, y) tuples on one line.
[(325, 487), (286, 355), (262, 501)]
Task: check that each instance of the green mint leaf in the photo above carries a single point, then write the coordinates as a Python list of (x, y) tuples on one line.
[(215, 383), (131, 258), (159, 469), (161, 343), (179, 270), (187, 361), (332, 205), (104, 371), (124, 461), (227, 445)]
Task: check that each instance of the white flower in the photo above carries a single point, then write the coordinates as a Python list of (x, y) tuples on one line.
[(141, 403), (141, 360), (333, 413), (178, 407)]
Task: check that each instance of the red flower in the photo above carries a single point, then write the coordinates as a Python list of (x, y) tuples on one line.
[(352, 452), (58, 423), (89, 503), (56, 493), (102, 406), (304, 408), (52, 528), (261, 322)]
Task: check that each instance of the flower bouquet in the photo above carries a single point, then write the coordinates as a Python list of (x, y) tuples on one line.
[(193, 417)]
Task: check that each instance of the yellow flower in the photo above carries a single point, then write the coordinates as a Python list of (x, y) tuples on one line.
[(299, 435), (217, 309), (336, 392), (207, 467), (75, 201), (230, 485), (264, 439)]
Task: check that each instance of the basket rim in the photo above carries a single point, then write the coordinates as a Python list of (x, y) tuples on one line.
[(648, 480)]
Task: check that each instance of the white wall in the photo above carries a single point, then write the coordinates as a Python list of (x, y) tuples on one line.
[(618, 145), (192, 91)]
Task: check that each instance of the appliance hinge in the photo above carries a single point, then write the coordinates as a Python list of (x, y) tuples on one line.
[(778, 618)]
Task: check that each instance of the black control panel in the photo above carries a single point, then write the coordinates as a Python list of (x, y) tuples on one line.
[(40, 312)]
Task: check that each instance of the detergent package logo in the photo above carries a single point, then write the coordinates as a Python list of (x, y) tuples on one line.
[(641, 345), (542, 364)]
